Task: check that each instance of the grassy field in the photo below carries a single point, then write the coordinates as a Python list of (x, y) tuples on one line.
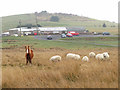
[(65, 74), (68, 43), (112, 30)]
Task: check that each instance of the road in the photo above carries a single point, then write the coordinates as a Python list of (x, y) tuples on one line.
[(57, 37)]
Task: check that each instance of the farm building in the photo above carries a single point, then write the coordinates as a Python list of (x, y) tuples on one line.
[(77, 29), (52, 30), (24, 31), (42, 30), (46, 30), (5, 34)]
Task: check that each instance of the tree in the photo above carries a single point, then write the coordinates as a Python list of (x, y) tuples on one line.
[(43, 12), (36, 14), (54, 19), (104, 25), (39, 25), (29, 25)]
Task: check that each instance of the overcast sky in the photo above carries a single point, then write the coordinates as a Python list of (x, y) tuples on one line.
[(97, 9)]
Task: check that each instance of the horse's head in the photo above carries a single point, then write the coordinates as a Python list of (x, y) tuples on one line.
[(27, 49)]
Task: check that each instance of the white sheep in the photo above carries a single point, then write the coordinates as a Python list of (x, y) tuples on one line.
[(91, 54), (70, 56), (55, 58), (99, 57), (106, 55), (73, 56), (85, 58), (77, 57)]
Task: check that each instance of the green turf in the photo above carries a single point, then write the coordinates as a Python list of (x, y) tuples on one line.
[(68, 43)]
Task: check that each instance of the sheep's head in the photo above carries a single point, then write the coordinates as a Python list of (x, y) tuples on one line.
[(104, 55)]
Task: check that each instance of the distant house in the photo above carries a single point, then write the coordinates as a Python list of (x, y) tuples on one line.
[(13, 31), (24, 31), (5, 34)]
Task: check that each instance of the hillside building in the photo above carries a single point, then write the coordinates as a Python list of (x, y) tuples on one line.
[(41, 30), (45, 30)]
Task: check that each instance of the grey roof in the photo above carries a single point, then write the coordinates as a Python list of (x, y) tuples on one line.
[(76, 28)]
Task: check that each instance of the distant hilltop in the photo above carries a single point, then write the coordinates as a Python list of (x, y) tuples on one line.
[(46, 19)]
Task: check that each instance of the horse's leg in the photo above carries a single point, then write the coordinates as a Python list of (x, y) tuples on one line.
[(30, 61), (26, 62)]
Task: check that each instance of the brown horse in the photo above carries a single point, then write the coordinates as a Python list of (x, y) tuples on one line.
[(29, 55)]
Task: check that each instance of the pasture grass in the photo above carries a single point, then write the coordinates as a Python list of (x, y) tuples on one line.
[(65, 74), (67, 43), (93, 40), (112, 30)]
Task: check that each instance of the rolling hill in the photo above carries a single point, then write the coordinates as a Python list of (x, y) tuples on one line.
[(66, 20)]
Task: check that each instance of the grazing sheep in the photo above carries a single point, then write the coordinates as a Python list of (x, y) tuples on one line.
[(55, 58), (85, 58), (103, 56), (77, 57), (73, 56), (99, 57), (91, 54), (70, 56), (106, 55)]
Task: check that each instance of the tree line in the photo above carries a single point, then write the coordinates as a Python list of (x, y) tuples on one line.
[(29, 25)]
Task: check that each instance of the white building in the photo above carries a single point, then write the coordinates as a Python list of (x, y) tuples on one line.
[(23, 31), (52, 30), (41, 30), (5, 34)]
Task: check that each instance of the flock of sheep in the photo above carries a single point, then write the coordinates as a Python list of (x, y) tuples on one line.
[(102, 56)]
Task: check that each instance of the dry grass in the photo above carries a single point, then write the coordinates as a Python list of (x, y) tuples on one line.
[(64, 74)]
